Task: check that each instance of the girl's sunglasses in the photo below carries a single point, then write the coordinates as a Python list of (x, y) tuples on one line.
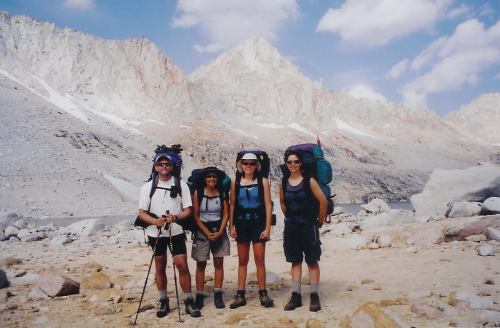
[(249, 163)]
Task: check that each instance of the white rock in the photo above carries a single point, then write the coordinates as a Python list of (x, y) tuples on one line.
[(390, 218), (493, 234), (61, 240), (341, 229), (384, 241), (476, 238), (86, 227), (487, 250), (373, 246), (2, 235), (376, 206), (491, 206), (464, 209), (20, 224), (489, 316), (36, 294), (11, 231), (448, 186), (420, 294), (351, 242)]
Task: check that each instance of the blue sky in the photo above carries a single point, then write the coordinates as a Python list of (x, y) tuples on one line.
[(440, 54)]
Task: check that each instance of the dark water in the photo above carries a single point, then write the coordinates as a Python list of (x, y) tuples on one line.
[(354, 208)]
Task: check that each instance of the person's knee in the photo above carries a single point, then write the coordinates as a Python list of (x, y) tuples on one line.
[(219, 263), (201, 266)]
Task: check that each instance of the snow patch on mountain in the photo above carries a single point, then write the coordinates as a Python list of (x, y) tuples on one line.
[(124, 188), (271, 125), (297, 127), (341, 125)]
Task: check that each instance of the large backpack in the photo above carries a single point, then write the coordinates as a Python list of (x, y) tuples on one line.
[(174, 152), (265, 168), (314, 165), (196, 185)]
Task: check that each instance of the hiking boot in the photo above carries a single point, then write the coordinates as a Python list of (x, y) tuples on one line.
[(239, 300), (191, 308), (315, 305), (218, 301), (198, 302), (265, 300), (294, 302), (163, 308)]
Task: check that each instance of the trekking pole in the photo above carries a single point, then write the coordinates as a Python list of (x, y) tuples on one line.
[(175, 275), (149, 269)]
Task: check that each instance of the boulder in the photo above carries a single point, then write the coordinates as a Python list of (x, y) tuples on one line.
[(20, 224), (376, 206), (486, 250), (86, 227), (55, 284), (425, 310), (493, 234), (491, 206), (389, 218), (11, 231), (464, 209), (371, 315), (93, 281), (61, 240), (449, 186), (4, 282)]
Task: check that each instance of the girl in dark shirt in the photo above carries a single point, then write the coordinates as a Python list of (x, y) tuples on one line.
[(299, 198)]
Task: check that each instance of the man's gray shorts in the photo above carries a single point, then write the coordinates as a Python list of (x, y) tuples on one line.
[(202, 247)]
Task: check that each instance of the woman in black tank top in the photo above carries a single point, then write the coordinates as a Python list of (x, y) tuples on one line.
[(299, 196)]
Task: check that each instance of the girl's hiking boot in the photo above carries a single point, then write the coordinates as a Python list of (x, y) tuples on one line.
[(294, 302), (198, 302), (191, 308), (238, 300), (218, 300), (163, 308), (315, 305), (265, 300)]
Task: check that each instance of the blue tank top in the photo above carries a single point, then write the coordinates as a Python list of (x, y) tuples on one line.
[(248, 197)]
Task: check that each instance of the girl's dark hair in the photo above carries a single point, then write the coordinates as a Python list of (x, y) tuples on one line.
[(299, 156), (293, 152)]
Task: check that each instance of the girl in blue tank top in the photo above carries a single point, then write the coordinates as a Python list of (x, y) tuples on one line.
[(250, 217)]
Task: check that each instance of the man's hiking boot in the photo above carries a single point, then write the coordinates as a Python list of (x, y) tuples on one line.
[(163, 308), (294, 302), (191, 308), (239, 300), (265, 300), (218, 301), (198, 302), (315, 305)]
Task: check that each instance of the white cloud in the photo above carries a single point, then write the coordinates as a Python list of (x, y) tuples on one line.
[(458, 60), (398, 69), (459, 11), (79, 4), (375, 23), (365, 91), (225, 23), (414, 99)]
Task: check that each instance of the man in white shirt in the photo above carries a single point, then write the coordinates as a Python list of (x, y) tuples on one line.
[(169, 205)]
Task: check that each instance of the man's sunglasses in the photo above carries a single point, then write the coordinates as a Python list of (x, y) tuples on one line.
[(295, 161), (164, 164), (249, 163)]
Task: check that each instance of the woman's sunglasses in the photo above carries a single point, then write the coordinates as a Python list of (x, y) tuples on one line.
[(249, 163), (164, 164), (213, 176), (295, 161)]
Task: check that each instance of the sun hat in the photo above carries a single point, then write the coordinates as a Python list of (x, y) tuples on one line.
[(250, 157)]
